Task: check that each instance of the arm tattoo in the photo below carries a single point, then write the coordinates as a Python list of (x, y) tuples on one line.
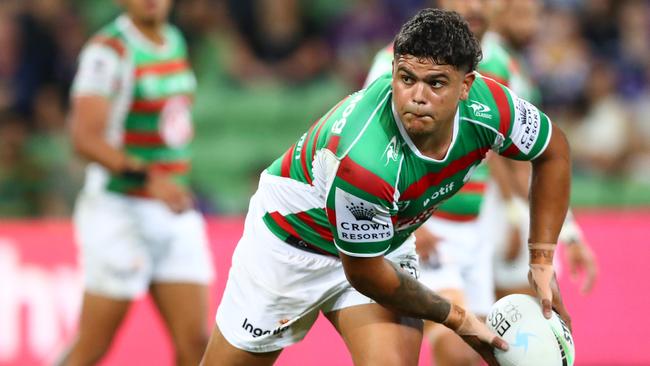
[(414, 299)]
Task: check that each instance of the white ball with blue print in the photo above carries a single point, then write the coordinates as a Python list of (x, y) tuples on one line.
[(533, 339)]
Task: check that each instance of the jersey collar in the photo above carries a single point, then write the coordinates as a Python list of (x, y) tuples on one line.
[(136, 36), (411, 145)]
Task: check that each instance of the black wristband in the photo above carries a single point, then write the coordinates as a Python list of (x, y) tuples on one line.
[(135, 175)]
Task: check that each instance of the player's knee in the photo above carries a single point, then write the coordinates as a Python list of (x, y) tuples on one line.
[(190, 348), (449, 349), (85, 354)]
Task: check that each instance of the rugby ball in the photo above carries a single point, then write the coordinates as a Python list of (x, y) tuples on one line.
[(533, 339)]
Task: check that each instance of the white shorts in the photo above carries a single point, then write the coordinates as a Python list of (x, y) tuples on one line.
[(463, 262), (127, 243), (275, 291)]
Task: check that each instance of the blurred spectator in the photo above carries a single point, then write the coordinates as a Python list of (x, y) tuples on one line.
[(21, 184), (9, 58), (358, 34), (603, 140), (560, 60), (276, 40), (634, 24)]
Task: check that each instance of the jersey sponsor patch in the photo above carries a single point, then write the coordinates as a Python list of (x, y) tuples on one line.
[(526, 127), (176, 122), (358, 220)]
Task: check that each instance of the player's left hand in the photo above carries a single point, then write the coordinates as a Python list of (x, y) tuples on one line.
[(580, 258), (549, 295)]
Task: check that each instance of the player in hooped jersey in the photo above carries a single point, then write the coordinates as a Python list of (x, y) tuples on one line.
[(455, 245), (134, 219), (330, 226)]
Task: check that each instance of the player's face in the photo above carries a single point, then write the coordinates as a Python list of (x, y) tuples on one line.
[(426, 94), (148, 11), (475, 12)]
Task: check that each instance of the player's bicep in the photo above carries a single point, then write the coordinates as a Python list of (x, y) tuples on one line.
[(361, 224), (529, 132), (88, 118)]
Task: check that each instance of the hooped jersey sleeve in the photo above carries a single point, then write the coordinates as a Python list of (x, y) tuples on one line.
[(525, 130), (98, 72)]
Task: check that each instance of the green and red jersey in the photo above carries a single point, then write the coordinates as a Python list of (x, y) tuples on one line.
[(504, 65), (356, 183), (151, 89)]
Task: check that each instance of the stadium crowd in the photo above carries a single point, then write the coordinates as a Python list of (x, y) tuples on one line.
[(264, 65)]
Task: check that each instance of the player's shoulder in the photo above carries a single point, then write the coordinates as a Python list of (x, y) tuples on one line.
[(372, 142), (489, 105), (358, 116), (109, 37)]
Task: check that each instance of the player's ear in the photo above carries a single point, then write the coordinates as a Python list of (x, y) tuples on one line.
[(468, 80)]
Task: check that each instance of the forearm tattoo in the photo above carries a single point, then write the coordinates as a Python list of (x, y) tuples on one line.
[(414, 299)]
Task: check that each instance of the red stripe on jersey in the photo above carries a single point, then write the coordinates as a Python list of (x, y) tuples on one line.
[(171, 167), (323, 231), (503, 106), (285, 169), (331, 216), (418, 188), (153, 105), (455, 217), (284, 224), (303, 154), (111, 42), (496, 78), (511, 151), (365, 180), (389, 48), (327, 117), (148, 106), (474, 187), (168, 67), (333, 143), (143, 138)]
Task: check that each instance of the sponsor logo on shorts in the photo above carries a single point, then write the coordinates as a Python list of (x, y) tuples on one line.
[(480, 109), (357, 220), (526, 126), (256, 332)]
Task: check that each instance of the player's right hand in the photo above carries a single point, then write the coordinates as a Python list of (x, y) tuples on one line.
[(160, 186), (425, 243), (475, 333)]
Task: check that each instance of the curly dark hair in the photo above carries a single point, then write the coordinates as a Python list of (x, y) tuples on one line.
[(441, 36)]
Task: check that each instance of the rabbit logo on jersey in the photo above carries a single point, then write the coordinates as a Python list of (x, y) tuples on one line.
[(358, 220)]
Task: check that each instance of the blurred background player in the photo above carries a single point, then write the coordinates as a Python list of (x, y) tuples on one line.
[(513, 26), (456, 244), (134, 218)]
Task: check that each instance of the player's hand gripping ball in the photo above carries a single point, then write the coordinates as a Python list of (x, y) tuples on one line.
[(533, 339)]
